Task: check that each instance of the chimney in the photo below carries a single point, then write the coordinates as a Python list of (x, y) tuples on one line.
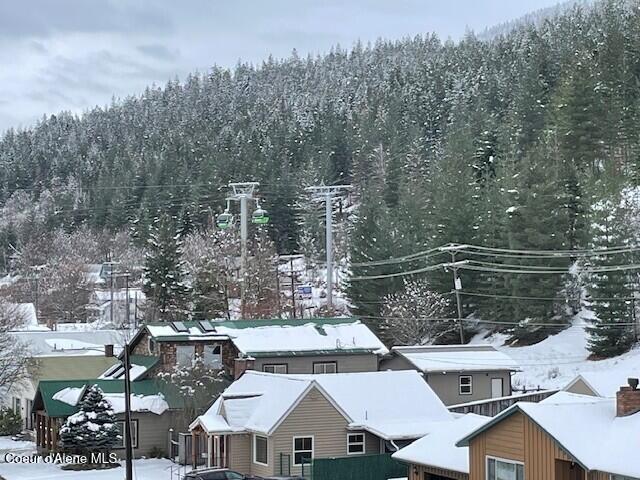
[(108, 350), (241, 365), (628, 399)]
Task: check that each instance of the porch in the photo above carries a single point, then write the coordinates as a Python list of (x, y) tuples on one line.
[(209, 450)]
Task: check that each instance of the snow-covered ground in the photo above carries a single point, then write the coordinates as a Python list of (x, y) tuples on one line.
[(8, 445), (151, 469), (555, 361)]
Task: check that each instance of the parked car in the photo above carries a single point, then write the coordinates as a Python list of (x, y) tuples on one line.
[(218, 474)]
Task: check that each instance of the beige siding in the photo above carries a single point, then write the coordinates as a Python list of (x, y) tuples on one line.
[(304, 364), (263, 470), (446, 385), (239, 451), (371, 443), (314, 416), (581, 388)]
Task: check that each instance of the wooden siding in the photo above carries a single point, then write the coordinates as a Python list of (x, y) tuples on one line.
[(418, 472), (304, 364), (314, 416), (518, 438)]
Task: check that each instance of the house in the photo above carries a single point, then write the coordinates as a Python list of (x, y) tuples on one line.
[(323, 345), (436, 455), (100, 301), (268, 424), (597, 384), (57, 355), (155, 409), (565, 437), (457, 373)]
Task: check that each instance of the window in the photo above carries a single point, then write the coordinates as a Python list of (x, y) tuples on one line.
[(275, 368), (234, 476), (465, 385), (499, 469), (260, 450), (29, 414), (325, 367), (134, 434), (152, 346), (16, 405), (185, 355), (355, 443), (213, 356), (302, 450)]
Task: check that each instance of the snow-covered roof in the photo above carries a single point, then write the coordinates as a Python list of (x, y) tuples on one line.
[(139, 403), (602, 383), (586, 427), (438, 448), (456, 358), (27, 313), (393, 405), (47, 343), (273, 337), (119, 295), (140, 365)]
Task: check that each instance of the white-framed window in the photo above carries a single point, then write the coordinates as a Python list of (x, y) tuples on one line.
[(465, 385), (325, 367), (260, 450), (185, 355), (302, 450), (275, 368), (152, 345), (503, 469), (134, 434), (213, 356), (355, 443), (16, 405)]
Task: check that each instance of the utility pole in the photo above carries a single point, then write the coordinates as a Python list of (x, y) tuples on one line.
[(128, 457), (457, 284), (126, 289), (243, 192), (111, 274), (292, 277), (326, 194)]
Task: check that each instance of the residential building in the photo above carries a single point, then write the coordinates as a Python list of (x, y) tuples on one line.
[(436, 455), (598, 384), (272, 424), (155, 409), (323, 345), (457, 373), (100, 307), (57, 355), (565, 437)]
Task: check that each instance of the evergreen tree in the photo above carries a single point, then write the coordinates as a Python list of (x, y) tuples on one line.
[(164, 272), (611, 292), (93, 427)]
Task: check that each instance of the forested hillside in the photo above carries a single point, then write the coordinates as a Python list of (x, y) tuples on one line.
[(527, 141)]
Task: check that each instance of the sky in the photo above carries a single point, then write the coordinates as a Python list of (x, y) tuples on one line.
[(76, 54)]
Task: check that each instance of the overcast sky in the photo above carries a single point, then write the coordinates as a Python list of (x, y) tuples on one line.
[(74, 54)]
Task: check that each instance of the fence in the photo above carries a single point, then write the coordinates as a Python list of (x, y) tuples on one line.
[(493, 406), (362, 467)]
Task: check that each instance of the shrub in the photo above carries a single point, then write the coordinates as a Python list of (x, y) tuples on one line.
[(10, 422)]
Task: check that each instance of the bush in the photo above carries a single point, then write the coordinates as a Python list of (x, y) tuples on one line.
[(156, 452), (10, 422)]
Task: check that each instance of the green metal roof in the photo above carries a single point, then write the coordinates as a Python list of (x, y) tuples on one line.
[(54, 408), (311, 353), (241, 324)]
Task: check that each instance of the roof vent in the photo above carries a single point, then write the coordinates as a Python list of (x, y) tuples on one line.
[(633, 383)]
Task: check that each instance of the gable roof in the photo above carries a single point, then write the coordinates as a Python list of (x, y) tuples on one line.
[(277, 337), (602, 384), (585, 427), (393, 405), (438, 448), (456, 358), (47, 343), (47, 389)]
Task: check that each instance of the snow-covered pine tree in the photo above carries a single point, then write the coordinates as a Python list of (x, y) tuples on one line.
[(610, 293), (416, 315), (164, 272), (93, 427)]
